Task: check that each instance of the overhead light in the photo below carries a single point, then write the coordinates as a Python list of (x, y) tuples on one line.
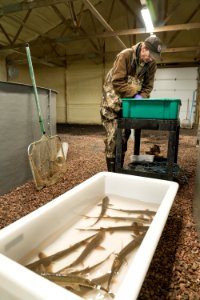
[(147, 20)]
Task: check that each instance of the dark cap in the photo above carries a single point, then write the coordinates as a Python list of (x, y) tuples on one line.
[(154, 45)]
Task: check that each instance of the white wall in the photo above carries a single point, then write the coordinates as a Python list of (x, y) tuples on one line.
[(177, 83)]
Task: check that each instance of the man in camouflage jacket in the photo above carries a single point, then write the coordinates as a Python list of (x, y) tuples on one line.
[(132, 75)]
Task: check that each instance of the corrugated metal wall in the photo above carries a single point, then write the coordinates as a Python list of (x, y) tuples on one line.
[(19, 127)]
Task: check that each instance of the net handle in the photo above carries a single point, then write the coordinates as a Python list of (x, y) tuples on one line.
[(31, 71)]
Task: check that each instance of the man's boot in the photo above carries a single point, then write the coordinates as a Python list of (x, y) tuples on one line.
[(110, 164)]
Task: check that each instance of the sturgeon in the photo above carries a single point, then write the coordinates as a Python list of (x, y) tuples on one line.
[(134, 227), (94, 243), (117, 219), (104, 206), (145, 211), (120, 257), (73, 281), (89, 269), (46, 261)]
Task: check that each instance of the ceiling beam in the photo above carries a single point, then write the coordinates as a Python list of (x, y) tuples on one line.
[(174, 10), (18, 7), (17, 20), (58, 61), (60, 15), (126, 32), (5, 33), (94, 26), (34, 59), (107, 34), (102, 21), (135, 11), (73, 14), (181, 49), (22, 25), (188, 20), (93, 54)]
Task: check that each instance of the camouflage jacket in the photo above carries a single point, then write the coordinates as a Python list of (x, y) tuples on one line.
[(126, 78)]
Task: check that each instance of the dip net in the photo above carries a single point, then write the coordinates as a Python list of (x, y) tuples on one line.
[(47, 161)]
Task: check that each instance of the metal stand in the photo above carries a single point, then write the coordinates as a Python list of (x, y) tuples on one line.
[(173, 126)]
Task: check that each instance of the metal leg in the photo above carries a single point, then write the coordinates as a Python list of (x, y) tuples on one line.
[(137, 133), (172, 126), (171, 153), (177, 144)]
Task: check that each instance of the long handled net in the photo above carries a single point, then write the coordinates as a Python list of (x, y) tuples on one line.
[(46, 156), (47, 161)]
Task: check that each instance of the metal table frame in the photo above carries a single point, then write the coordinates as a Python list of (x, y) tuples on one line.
[(172, 126)]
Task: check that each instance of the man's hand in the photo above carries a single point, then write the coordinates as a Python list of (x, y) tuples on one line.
[(137, 96)]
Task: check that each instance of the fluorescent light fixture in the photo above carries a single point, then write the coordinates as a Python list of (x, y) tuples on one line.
[(147, 19)]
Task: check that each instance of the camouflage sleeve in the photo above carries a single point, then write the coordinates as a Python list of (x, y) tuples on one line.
[(122, 86), (148, 82)]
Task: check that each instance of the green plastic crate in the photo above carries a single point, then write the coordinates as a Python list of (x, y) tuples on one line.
[(151, 108)]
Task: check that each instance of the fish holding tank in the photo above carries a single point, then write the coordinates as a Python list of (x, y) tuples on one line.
[(90, 242)]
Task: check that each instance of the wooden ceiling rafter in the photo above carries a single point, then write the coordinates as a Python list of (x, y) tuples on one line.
[(73, 14), (79, 29), (6, 34), (103, 21), (80, 14), (60, 16), (188, 20), (22, 26), (130, 25), (91, 41), (110, 11), (94, 26), (64, 21), (181, 49), (21, 6), (166, 18), (135, 12), (56, 38), (178, 27), (35, 59), (189, 26), (113, 53), (20, 22), (173, 11)]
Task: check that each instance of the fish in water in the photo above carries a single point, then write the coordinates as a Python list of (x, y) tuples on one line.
[(120, 257), (70, 280), (87, 270), (101, 279), (104, 206), (93, 244), (145, 212), (118, 219), (134, 227), (46, 261)]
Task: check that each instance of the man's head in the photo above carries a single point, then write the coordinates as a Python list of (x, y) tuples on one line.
[(151, 49)]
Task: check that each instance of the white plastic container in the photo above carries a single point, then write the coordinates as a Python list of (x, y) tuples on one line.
[(26, 237), (142, 157)]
